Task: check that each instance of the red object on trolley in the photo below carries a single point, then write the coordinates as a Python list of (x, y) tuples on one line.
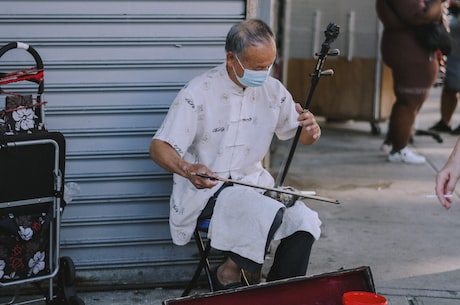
[(30, 74)]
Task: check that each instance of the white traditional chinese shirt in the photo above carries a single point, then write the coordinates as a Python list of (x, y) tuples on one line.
[(229, 129)]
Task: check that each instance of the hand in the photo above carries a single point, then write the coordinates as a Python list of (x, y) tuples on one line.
[(448, 176), (446, 181), (199, 182), (443, 187), (308, 122)]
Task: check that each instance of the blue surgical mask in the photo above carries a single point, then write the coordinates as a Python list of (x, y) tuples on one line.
[(252, 78)]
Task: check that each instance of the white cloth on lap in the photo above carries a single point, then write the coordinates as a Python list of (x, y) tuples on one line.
[(243, 217)]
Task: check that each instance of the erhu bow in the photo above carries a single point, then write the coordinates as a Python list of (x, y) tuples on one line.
[(331, 33), (291, 194)]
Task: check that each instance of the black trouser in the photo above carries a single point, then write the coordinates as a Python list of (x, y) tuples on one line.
[(291, 257)]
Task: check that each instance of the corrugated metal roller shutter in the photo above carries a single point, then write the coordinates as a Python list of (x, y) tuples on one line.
[(112, 69)]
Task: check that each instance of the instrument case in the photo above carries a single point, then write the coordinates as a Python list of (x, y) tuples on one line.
[(324, 289)]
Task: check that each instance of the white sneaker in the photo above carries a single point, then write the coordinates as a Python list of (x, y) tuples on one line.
[(406, 155)]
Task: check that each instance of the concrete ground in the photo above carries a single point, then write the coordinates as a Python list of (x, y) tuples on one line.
[(384, 220)]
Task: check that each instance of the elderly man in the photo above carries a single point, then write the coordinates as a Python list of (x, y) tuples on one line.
[(221, 124)]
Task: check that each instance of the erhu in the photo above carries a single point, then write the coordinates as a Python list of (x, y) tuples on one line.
[(288, 195), (331, 33)]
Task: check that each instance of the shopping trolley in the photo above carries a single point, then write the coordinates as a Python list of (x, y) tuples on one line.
[(32, 168)]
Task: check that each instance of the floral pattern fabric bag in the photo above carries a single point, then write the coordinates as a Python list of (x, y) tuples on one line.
[(24, 242), (21, 115)]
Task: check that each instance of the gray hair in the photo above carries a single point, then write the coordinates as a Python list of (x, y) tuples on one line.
[(246, 34)]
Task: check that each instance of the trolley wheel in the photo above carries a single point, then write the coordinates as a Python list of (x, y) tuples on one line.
[(67, 270), (65, 289)]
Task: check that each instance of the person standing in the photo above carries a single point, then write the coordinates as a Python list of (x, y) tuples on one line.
[(413, 67), (451, 85), (221, 124)]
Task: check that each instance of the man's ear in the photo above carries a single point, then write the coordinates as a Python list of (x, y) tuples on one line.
[(230, 59)]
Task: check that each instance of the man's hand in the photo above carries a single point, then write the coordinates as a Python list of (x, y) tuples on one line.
[(166, 156), (192, 170), (310, 128)]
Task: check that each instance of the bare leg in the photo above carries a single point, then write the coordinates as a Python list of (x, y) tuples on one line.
[(402, 119), (448, 104)]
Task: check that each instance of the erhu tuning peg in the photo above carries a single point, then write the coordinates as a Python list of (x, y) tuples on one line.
[(328, 72), (334, 52)]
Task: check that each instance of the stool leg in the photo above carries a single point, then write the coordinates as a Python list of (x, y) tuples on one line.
[(244, 278), (203, 263), (206, 265)]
